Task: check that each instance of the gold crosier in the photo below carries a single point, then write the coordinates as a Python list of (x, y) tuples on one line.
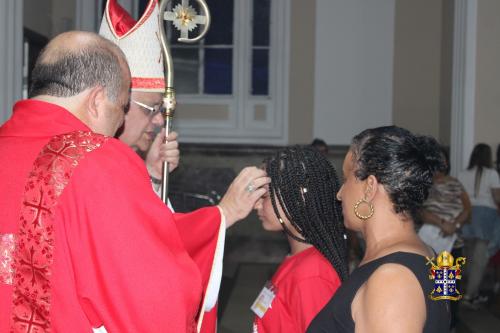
[(185, 19)]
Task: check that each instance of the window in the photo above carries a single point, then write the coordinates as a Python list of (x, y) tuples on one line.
[(231, 86), (196, 65)]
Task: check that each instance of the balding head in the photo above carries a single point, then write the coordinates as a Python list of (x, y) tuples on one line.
[(75, 61)]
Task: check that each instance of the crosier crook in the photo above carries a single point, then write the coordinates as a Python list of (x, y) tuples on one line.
[(185, 19)]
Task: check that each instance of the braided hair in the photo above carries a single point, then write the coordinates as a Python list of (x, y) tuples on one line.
[(305, 184)]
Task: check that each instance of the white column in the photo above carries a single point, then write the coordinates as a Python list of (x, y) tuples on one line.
[(464, 84), (11, 55)]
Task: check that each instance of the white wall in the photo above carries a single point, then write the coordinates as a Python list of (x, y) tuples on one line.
[(301, 74), (354, 66), (417, 65), (487, 113)]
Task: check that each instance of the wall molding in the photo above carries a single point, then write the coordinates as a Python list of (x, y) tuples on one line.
[(464, 84)]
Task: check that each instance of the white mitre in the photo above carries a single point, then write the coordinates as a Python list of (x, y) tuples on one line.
[(140, 42)]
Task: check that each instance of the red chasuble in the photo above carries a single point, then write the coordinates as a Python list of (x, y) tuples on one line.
[(84, 241), (299, 289)]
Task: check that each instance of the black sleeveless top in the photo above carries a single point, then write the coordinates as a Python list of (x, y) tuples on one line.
[(336, 315)]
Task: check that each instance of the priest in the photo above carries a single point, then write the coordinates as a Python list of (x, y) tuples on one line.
[(85, 243), (139, 41)]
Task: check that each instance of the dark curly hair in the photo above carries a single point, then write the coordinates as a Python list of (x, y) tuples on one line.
[(305, 184), (480, 157), (402, 162)]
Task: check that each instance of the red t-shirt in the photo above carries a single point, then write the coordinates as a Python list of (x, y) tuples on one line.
[(303, 284)]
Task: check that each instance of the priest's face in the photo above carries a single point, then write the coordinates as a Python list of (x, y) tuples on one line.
[(142, 119)]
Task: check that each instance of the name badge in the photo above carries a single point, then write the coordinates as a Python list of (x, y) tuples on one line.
[(264, 300)]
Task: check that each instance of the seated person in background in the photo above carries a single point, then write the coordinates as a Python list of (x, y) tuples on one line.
[(480, 180), (444, 212), (301, 202)]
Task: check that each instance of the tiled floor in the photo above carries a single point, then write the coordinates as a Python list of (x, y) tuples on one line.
[(250, 263)]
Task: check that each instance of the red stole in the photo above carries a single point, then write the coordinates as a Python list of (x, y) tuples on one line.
[(33, 257)]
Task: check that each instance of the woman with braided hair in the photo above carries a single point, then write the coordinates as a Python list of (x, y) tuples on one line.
[(301, 202), (388, 172)]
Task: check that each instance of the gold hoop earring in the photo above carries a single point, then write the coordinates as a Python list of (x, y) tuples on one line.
[(356, 207)]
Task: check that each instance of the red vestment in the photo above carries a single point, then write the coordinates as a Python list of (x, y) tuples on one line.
[(117, 258), (303, 284)]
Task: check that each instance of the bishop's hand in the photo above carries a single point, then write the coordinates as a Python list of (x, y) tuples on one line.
[(163, 151), (243, 193)]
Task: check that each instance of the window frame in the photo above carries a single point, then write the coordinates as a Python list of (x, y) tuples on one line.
[(241, 126)]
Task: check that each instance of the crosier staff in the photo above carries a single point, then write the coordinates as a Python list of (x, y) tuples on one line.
[(185, 19)]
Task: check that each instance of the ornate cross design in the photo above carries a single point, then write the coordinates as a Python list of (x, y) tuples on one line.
[(38, 208), (31, 324), (30, 264), (185, 18), (59, 153)]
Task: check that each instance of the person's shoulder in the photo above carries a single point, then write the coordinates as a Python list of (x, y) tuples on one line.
[(466, 176), (312, 265), (452, 181), (492, 173), (393, 276), (114, 148), (387, 292), (111, 158)]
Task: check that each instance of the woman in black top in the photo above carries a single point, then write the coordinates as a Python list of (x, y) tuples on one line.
[(387, 175)]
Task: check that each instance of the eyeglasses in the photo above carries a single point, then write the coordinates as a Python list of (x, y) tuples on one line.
[(150, 111)]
